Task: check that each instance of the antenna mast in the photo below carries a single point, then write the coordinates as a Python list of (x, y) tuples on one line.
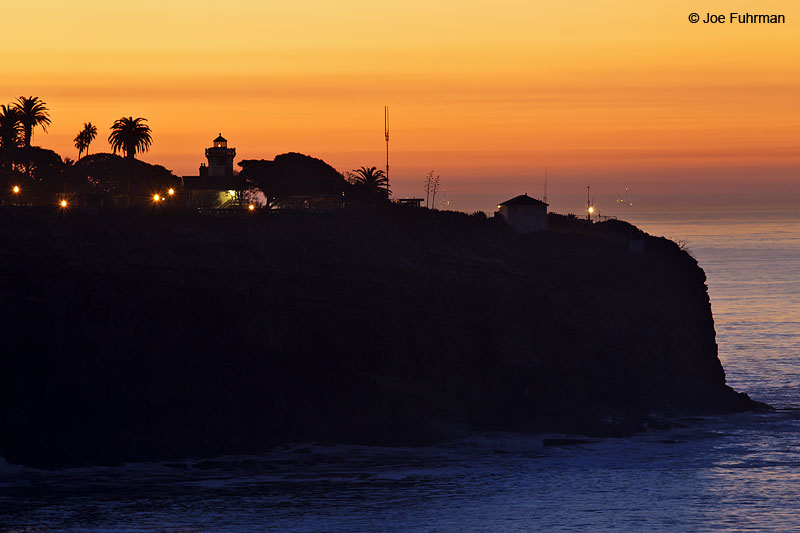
[(386, 132), (545, 184)]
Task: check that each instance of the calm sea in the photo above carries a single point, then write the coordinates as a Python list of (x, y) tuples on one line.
[(730, 473)]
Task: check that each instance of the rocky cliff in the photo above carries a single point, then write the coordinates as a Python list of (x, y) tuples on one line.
[(132, 335)]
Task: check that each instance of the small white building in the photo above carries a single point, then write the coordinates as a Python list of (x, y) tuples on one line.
[(524, 214)]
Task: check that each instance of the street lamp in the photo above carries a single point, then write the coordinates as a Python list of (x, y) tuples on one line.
[(156, 198), (171, 191), (16, 189), (63, 204)]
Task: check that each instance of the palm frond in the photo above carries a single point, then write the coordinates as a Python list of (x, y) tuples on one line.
[(33, 112), (130, 135)]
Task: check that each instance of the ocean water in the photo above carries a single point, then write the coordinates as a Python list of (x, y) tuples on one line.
[(752, 262), (732, 473)]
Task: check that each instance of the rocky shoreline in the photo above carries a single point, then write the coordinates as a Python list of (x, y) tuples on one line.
[(134, 335)]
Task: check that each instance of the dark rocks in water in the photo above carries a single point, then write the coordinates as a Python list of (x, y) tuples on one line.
[(138, 335)]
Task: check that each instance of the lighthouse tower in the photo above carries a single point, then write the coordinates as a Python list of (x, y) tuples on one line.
[(220, 159)]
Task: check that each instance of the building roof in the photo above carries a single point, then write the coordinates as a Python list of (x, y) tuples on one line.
[(220, 139), (523, 199)]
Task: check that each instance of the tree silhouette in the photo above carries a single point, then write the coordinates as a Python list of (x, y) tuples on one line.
[(10, 126), (85, 138), (371, 179), (292, 175), (81, 143), (10, 134), (130, 135), (111, 179), (32, 112), (431, 186)]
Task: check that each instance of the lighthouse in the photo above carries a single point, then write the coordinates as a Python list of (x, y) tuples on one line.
[(220, 159), (216, 186)]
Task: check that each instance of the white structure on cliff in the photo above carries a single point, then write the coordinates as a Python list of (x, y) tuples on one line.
[(216, 185), (220, 159), (524, 214)]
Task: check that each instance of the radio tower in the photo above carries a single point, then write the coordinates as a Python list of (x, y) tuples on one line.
[(386, 131), (545, 185)]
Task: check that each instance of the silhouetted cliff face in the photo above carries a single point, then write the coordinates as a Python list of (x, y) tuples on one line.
[(148, 335)]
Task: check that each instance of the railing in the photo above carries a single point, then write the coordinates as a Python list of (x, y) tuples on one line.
[(226, 210)]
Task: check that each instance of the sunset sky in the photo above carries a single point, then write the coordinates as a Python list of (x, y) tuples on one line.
[(486, 94)]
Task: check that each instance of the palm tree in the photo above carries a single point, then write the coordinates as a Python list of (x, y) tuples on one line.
[(372, 179), (85, 138), (32, 113), (130, 135), (81, 143), (10, 127), (10, 133), (89, 132)]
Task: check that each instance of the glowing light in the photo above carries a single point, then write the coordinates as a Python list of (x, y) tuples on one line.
[(171, 191), (591, 210), (16, 189), (63, 203), (156, 197), (251, 207)]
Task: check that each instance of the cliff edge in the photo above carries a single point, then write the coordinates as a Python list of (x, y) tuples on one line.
[(131, 335)]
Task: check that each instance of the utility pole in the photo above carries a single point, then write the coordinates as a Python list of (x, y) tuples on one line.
[(386, 132)]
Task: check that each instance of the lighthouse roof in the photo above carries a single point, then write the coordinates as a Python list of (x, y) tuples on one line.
[(220, 139)]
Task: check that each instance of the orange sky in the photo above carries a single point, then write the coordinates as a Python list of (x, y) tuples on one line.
[(487, 94)]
